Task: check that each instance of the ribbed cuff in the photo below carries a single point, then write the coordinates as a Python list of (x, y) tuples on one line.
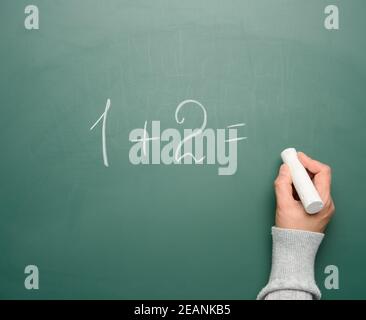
[(293, 256)]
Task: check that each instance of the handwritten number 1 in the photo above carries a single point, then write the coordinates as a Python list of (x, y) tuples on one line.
[(104, 118)]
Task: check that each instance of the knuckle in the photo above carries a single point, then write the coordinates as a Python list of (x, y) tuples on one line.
[(277, 183), (327, 169), (332, 207)]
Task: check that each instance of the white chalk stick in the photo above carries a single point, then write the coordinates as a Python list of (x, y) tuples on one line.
[(305, 188)]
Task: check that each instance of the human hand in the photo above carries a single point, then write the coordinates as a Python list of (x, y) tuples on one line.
[(290, 214)]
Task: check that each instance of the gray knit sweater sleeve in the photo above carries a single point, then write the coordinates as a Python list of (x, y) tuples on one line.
[(292, 274)]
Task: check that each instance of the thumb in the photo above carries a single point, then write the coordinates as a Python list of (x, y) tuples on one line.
[(283, 186)]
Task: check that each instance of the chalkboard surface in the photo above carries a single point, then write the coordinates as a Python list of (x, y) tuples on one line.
[(173, 231)]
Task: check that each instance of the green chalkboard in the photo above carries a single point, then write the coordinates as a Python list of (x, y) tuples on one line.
[(172, 231)]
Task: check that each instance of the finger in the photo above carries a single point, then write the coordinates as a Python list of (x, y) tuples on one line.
[(322, 174), (312, 165), (283, 185)]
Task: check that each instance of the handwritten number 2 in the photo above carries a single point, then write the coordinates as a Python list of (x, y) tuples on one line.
[(192, 135)]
